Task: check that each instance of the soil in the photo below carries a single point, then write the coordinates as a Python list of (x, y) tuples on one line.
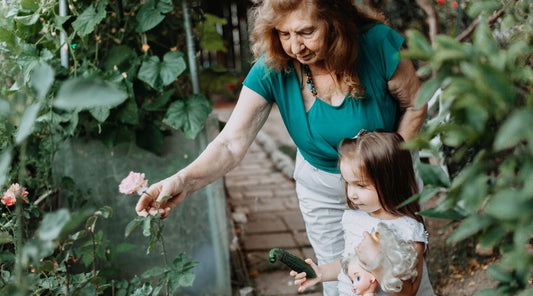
[(455, 269)]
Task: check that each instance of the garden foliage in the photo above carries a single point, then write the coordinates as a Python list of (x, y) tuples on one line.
[(109, 70), (481, 128)]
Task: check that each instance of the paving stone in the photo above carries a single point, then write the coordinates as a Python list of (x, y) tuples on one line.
[(268, 241), (301, 238), (265, 225), (295, 221)]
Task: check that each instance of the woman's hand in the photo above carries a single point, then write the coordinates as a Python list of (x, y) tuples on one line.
[(300, 279), (156, 197)]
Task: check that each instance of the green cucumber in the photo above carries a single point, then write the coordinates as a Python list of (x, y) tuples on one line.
[(294, 262)]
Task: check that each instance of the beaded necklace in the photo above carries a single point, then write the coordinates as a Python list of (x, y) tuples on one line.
[(310, 82)]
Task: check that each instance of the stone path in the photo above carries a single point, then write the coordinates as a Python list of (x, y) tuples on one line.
[(264, 208)]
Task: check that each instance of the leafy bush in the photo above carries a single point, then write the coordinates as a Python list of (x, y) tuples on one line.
[(481, 128), (110, 70)]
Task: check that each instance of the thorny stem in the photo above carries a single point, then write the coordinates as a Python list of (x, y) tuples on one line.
[(18, 209)]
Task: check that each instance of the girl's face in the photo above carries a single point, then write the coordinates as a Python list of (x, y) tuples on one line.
[(302, 36), (361, 192), (362, 280)]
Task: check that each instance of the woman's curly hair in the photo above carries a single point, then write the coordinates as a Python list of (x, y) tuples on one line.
[(343, 20)]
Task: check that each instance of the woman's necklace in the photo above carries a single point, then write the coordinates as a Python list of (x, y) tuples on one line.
[(310, 82)]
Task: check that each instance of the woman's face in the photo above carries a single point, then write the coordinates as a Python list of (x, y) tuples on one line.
[(302, 36)]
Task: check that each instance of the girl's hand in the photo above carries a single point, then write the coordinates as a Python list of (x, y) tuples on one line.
[(368, 249), (300, 279)]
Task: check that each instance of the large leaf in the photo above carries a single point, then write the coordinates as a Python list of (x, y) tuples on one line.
[(469, 227), (433, 174), (158, 74), (418, 46), (132, 225), (27, 122), (52, 225), (87, 93), (151, 14), (119, 55), (90, 17), (508, 204), (5, 107), (41, 79), (210, 38), (512, 131), (188, 115), (5, 161)]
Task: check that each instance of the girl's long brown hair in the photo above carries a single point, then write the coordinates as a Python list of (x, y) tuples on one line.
[(343, 20), (379, 158)]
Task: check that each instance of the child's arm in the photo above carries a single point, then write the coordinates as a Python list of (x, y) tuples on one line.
[(324, 273)]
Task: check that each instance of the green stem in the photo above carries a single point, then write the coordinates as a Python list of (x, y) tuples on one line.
[(19, 221)]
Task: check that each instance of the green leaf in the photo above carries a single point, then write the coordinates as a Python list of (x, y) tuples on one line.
[(451, 214), (172, 66), (5, 162), (100, 113), (147, 225), (469, 227), (418, 46), (433, 175), (86, 22), (210, 39), (5, 107), (512, 130), (30, 5), (159, 102), (507, 204), (428, 89), (27, 122), (153, 272), (52, 225), (499, 273), (484, 40), (158, 74), (105, 211), (189, 115), (132, 224), (124, 247), (479, 7), (128, 113), (118, 57), (28, 20), (150, 14), (41, 79), (87, 93)]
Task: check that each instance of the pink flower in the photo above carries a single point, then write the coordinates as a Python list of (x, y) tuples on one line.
[(134, 182), (10, 196)]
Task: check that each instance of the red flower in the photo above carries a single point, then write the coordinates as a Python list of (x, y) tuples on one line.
[(441, 2), (10, 196), (455, 4)]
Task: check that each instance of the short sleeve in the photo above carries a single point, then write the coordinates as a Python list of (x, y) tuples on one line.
[(258, 80), (386, 43)]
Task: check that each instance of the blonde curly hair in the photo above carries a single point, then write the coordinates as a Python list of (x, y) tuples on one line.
[(398, 260)]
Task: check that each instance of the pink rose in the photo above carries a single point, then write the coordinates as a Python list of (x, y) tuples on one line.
[(134, 182), (10, 196)]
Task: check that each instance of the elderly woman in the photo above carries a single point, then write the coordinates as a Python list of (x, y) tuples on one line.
[(332, 70)]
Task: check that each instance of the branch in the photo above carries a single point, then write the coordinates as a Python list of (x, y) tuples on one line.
[(468, 31), (432, 18)]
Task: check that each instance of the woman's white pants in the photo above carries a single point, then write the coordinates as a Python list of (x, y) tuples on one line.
[(322, 203)]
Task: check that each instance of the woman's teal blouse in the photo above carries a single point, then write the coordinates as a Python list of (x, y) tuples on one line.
[(318, 132)]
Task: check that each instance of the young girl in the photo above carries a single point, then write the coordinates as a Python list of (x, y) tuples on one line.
[(379, 176)]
